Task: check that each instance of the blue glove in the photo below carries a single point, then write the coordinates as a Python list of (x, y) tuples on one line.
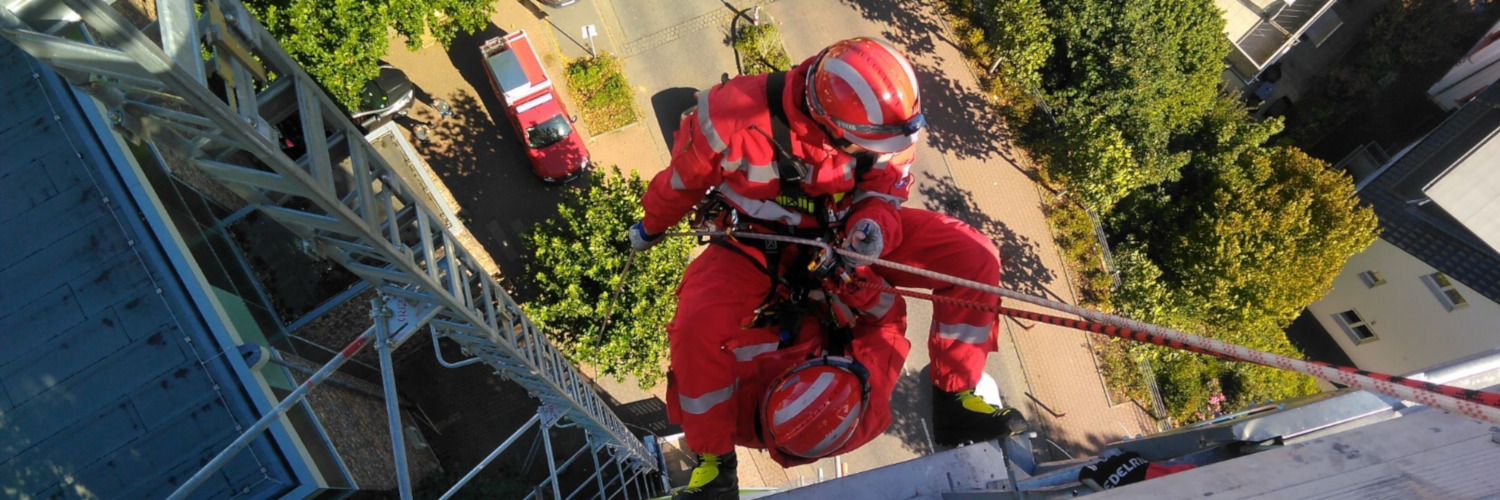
[(864, 237), (640, 240)]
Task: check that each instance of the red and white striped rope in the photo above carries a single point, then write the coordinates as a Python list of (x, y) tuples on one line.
[(1475, 404)]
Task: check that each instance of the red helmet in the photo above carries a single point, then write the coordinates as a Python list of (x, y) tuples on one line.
[(814, 408), (864, 91)]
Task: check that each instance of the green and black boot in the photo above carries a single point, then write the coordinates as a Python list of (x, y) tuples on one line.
[(715, 478), (964, 417)]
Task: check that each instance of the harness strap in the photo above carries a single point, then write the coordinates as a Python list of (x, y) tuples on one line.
[(781, 134)]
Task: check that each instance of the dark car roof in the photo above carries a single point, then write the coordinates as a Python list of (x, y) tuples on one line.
[(393, 81)]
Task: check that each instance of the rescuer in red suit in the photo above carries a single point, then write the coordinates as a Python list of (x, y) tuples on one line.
[(824, 150)]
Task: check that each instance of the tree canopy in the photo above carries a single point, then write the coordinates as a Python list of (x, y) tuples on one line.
[(579, 263), (1127, 78), (1212, 231), (1235, 249), (340, 42)]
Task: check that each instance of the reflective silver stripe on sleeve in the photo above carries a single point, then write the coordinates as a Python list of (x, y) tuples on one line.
[(706, 124), (861, 195), (803, 400), (749, 352), (883, 161), (834, 437), (966, 333), (759, 209), (677, 181), (730, 165), (760, 174), (708, 401), (848, 169), (887, 299)]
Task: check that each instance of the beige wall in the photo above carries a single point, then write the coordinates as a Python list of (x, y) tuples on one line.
[(1414, 329)]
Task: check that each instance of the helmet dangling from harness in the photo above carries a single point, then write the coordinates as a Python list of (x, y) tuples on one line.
[(812, 409), (863, 91)]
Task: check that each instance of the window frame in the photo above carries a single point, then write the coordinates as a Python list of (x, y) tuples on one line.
[(1358, 331), (1371, 278), (1446, 291)]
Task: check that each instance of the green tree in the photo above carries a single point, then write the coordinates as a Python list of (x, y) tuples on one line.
[(1021, 35), (340, 42), (1258, 241), (1148, 69), (1273, 234), (579, 263)]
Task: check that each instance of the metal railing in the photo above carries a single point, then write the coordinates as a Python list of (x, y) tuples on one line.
[(215, 94)]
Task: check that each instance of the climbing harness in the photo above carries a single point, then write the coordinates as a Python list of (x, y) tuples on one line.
[(1468, 402)]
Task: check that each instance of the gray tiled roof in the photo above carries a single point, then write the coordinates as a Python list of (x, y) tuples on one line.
[(101, 392), (1425, 231)]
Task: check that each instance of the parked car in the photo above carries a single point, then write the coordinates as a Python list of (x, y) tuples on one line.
[(387, 95), (555, 148)]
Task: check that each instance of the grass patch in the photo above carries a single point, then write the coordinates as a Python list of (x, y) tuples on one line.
[(760, 50), (604, 97)]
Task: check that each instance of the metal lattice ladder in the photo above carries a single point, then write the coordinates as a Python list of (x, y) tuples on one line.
[(340, 198)]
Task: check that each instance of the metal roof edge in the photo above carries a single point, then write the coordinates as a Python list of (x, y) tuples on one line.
[(122, 180)]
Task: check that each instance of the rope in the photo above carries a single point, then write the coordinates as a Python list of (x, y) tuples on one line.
[(1472, 403)]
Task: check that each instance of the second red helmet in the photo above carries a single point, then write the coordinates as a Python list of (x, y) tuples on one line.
[(814, 408)]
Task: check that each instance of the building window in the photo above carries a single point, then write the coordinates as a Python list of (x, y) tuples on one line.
[(1356, 326), (1446, 292), (1372, 278)]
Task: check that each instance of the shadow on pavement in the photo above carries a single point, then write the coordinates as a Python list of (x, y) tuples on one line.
[(911, 407), (1022, 269), (960, 119), (669, 105)]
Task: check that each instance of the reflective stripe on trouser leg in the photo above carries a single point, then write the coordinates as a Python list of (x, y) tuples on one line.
[(943, 244), (708, 319), (702, 404)]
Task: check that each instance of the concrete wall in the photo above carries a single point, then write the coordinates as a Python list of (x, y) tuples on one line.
[(1414, 329)]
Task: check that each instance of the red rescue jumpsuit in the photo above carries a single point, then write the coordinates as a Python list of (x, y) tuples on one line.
[(720, 368)]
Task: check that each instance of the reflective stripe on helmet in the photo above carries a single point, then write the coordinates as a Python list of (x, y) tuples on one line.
[(835, 438), (966, 333), (819, 386), (911, 76), (852, 78), (707, 401)]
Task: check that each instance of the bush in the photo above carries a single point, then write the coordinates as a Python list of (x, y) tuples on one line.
[(605, 99), (580, 257), (760, 51)]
